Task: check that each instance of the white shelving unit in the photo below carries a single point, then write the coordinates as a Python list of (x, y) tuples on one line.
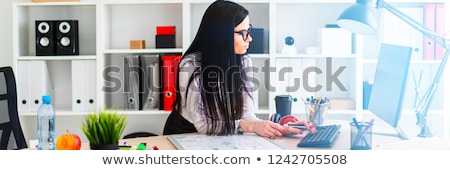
[(107, 26)]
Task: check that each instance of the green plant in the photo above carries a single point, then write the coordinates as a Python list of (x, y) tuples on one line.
[(104, 127)]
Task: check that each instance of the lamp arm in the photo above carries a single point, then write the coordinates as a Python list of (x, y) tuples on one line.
[(425, 102), (415, 24)]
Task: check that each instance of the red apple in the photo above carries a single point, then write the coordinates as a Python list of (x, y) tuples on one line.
[(68, 141)]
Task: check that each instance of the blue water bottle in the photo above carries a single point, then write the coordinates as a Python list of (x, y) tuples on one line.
[(46, 125)]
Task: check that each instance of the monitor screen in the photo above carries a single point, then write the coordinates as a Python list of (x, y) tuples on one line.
[(389, 83)]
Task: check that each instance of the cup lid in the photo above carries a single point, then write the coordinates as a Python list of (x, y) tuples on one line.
[(283, 98)]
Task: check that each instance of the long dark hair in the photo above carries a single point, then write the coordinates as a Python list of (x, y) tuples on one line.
[(221, 74)]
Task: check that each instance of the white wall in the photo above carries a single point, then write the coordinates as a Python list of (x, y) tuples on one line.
[(6, 33)]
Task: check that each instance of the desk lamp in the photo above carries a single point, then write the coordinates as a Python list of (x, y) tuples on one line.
[(360, 18)]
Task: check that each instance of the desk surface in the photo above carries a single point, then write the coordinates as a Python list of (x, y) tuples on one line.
[(290, 143), (342, 142)]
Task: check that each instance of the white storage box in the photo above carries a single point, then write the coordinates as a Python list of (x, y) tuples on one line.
[(335, 41)]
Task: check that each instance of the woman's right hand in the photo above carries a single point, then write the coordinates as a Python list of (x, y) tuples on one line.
[(263, 128)]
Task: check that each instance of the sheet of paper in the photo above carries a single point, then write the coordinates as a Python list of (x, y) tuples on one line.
[(232, 142)]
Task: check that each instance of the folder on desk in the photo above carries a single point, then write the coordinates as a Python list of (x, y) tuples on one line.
[(84, 85), (131, 82), (169, 79), (34, 82), (150, 85)]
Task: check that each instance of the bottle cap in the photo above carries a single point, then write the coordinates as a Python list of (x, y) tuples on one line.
[(46, 99)]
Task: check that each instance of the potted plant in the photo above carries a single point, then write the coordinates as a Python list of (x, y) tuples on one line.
[(104, 129)]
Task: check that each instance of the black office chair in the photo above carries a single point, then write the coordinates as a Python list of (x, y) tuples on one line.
[(11, 134), (139, 134)]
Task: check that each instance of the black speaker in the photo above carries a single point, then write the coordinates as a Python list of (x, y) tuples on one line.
[(67, 37), (45, 33)]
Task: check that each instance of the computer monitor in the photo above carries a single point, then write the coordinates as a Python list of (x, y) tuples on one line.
[(389, 84)]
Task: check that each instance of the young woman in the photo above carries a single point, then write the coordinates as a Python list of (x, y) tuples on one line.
[(213, 88)]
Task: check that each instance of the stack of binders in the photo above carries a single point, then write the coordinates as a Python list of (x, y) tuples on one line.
[(142, 86), (33, 81), (84, 85), (150, 81)]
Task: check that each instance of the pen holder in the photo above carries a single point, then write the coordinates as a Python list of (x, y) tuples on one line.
[(315, 113), (360, 136)]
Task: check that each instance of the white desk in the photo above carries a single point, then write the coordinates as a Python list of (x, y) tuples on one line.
[(342, 142)]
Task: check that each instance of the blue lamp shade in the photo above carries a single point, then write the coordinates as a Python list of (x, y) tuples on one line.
[(358, 18)]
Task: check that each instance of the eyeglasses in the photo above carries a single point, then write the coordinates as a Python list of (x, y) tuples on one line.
[(245, 33)]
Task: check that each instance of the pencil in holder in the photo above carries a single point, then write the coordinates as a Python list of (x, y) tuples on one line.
[(315, 112), (360, 135)]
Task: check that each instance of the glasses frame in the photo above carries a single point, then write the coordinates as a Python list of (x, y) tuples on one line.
[(245, 33)]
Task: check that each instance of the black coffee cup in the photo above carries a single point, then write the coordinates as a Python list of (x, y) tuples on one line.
[(283, 104)]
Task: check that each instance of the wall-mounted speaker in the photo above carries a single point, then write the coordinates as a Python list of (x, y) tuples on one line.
[(67, 37), (45, 32)]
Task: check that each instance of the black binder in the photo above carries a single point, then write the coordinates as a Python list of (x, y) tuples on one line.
[(150, 85), (131, 82)]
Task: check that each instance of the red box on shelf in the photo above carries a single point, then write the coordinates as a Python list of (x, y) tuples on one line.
[(165, 30)]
